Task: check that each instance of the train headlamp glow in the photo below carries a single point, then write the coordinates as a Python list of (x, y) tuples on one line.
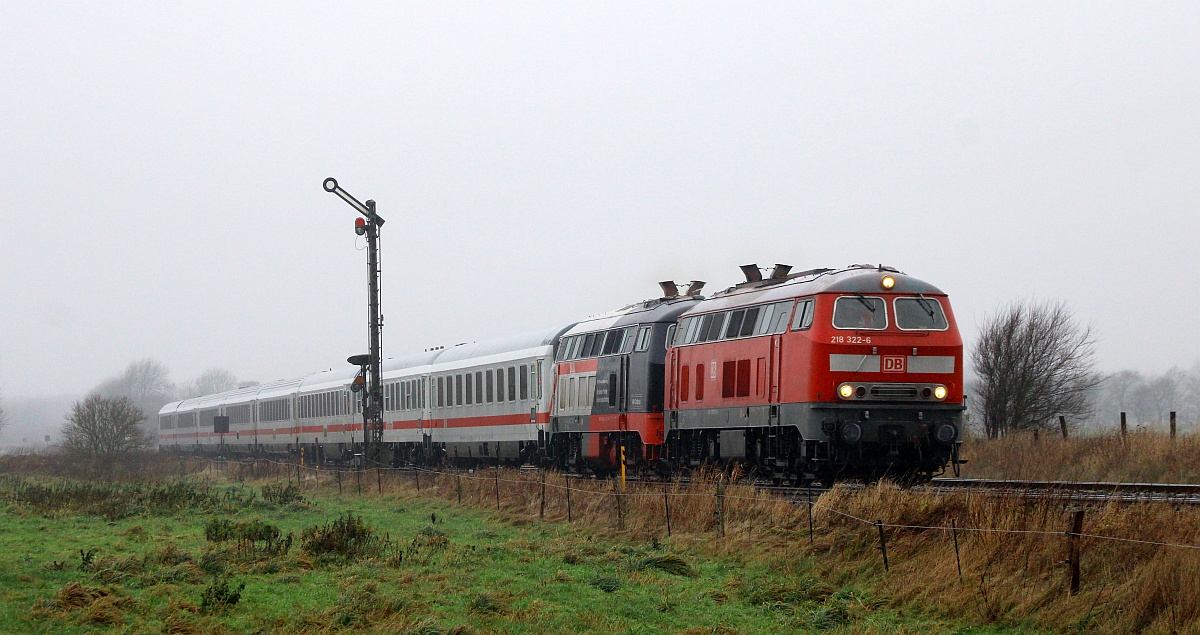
[(939, 392), (888, 282), (846, 391)]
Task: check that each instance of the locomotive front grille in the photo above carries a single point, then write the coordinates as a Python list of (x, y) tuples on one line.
[(894, 391)]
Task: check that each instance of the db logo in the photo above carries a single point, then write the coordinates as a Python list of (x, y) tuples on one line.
[(893, 363)]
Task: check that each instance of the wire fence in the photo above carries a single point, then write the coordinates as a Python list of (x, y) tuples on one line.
[(617, 493)]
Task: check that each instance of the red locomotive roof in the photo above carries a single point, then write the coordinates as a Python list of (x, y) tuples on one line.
[(865, 279)]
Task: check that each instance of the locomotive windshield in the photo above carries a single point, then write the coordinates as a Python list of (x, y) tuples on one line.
[(860, 312), (920, 314)]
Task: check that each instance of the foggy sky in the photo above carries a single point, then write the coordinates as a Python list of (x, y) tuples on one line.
[(537, 163)]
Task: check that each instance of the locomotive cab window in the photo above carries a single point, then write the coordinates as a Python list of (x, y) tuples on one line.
[(860, 312), (920, 314)]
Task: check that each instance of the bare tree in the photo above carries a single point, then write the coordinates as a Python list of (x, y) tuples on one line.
[(104, 428), (211, 381), (1034, 364), (145, 382)]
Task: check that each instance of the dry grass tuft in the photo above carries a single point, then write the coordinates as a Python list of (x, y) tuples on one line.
[(1139, 457)]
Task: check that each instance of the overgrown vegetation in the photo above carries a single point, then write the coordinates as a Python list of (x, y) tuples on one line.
[(1145, 457), (439, 566)]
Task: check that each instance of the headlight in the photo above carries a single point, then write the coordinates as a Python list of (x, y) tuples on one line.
[(846, 391), (946, 433), (939, 393), (851, 432), (888, 282)]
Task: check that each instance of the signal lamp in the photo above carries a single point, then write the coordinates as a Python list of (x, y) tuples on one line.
[(360, 226), (846, 391), (888, 282), (939, 392)]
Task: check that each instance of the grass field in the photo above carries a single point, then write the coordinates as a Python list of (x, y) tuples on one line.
[(169, 556), (1140, 456)]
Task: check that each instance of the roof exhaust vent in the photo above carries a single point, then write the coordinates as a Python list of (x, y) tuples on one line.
[(669, 289), (780, 271), (694, 288), (752, 273)]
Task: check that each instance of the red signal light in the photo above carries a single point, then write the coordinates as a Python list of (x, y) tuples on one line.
[(360, 226)]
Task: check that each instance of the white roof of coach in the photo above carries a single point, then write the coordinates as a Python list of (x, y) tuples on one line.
[(498, 347), (327, 379), (280, 388)]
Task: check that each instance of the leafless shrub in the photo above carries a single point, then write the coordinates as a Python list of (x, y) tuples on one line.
[(1035, 363), (103, 428)]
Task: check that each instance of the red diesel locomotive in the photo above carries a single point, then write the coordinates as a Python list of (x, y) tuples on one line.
[(817, 375)]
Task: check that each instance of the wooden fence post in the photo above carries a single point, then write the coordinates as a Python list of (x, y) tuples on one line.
[(339, 476), (497, 486), (568, 488), (810, 523), (1036, 435), (458, 485), (542, 504), (1073, 552), (721, 506), (882, 543), (379, 478), (417, 473), (957, 557), (667, 509), (1124, 428), (1062, 425), (1172, 424)]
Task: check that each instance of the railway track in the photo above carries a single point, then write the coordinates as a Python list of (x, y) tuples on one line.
[(1081, 491)]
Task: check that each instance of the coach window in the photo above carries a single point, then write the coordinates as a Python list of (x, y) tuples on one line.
[(499, 385), (804, 315), (490, 386), (470, 392), (440, 394), (859, 312), (512, 383), (524, 383)]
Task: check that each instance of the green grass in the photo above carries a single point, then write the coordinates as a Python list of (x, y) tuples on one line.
[(434, 567)]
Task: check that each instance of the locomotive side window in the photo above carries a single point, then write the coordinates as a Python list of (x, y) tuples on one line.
[(763, 325), (749, 321), (920, 314), (699, 382), (860, 312), (629, 339), (783, 311), (804, 315), (734, 328), (643, 339), (685, 384)]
